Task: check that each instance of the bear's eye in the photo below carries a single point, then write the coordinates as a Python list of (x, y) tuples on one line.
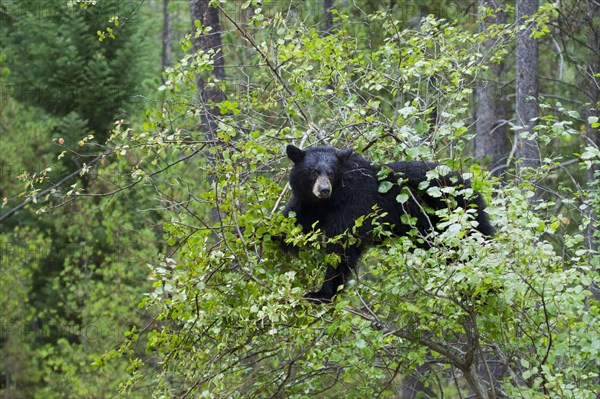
[(314, 173), (330, 174)]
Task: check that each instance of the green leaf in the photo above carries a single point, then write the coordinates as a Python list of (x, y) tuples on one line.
[(385, 186), (402, 198), (434, 191)]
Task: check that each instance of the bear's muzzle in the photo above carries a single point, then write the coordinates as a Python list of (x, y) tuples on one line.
[(322, 187)]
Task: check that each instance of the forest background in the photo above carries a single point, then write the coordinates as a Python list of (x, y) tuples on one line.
[(142, 176)]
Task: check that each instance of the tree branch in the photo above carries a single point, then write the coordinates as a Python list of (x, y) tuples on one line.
[(273, 69), (52, 187)]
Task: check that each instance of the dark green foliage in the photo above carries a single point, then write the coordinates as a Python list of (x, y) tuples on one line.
[(58, 63), (71, 279)]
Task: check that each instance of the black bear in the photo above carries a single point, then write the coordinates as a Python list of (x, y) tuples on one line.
[(333, 188)]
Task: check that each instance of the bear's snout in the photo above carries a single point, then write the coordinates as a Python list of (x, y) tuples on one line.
[(322, 187)]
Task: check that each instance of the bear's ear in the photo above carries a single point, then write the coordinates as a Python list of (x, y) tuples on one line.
[(343, 155), (295, 153)]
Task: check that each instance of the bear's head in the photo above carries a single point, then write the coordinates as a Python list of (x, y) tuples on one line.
[(317, 171)]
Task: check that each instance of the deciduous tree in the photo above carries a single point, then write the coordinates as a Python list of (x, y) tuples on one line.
[(527, 89)]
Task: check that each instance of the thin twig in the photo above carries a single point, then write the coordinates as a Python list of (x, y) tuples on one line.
[(273, 68), (52, 187)]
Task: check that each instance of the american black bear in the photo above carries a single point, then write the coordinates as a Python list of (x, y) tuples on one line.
[(332, 188)]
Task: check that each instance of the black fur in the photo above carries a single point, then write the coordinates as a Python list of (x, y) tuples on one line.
[(353, 192)]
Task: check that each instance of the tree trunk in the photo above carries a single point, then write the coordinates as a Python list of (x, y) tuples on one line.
[(593, 92), (527, 150), (593, 135), (328, 20), (491, 140), (209, 95), (476, 383), (202, 11), (166, 35)]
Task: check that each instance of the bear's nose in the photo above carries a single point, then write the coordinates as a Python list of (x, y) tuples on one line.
[(322, 188)]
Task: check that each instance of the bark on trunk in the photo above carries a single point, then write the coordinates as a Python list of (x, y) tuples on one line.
[(209, 95), (491, 140), (527, 150), (593, 135), (477, 384), (166, 35), (328, 6), (202, 11)]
